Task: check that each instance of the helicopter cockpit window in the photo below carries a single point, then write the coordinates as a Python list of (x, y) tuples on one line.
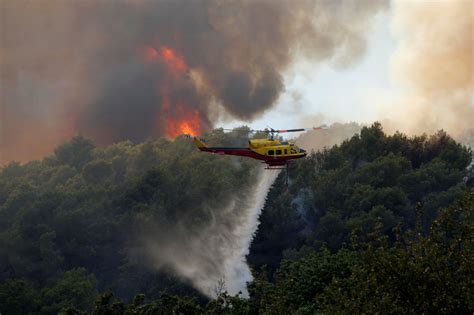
[(271, 152), (278, 152)]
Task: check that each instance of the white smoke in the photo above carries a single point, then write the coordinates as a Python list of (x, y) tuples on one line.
[(432, 69), (207, 256)]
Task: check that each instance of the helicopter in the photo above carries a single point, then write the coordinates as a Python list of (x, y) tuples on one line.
[(272, 151)]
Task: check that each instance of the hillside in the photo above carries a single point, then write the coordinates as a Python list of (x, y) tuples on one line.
[(104, 218), (378, 223), (347, 187)]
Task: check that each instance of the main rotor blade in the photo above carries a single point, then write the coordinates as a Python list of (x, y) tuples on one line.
[(271, 130), (302, 129)]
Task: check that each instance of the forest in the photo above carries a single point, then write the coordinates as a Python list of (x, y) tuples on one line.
[(376, 224)]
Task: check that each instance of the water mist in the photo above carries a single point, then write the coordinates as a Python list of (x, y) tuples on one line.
[(216, 253)]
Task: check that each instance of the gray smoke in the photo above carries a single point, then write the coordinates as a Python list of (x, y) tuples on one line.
[(327, 138), (72, 67)]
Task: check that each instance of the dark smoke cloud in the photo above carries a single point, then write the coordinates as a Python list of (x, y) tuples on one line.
[(75, 66)]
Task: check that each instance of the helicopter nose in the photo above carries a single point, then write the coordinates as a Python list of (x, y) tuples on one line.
[(302, 151)]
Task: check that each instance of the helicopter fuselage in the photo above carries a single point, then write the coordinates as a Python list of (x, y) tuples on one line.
[(270, 151)]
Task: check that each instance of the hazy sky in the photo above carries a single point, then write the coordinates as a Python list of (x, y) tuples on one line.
[(317, 93), (70, 67), (417, 75)]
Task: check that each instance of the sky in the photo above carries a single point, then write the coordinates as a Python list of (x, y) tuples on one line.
[(416, 76), (341, 94), (149, 69)]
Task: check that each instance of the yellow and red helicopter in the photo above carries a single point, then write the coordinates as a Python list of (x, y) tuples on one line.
[(272, 151)]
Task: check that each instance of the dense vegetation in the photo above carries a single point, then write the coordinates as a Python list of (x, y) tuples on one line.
[(69, 222), (377, 224), (348, 187)]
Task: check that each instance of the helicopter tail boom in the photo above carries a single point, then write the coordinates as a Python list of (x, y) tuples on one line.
[(199, 143)]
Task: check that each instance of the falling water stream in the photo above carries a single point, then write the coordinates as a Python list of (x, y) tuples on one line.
[(215, 255)]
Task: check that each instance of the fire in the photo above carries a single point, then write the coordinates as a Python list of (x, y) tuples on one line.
[(150, 53), (176, 116), (166, 55), (187, 129), (178, 119), (186, 123), (175, 62)]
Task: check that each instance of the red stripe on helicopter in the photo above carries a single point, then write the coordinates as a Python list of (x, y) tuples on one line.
[(272, 161)]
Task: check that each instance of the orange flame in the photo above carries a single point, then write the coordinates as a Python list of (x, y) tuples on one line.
[(175, 62), (190, 124), (150, 53), (167, 55), (178, 118)]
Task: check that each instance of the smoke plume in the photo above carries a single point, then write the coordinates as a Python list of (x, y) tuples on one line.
[(434, 66), (115, 70), (327, 138), (216, 252)]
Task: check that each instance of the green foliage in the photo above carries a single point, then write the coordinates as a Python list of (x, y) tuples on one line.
[(344, 238), (419, 274), (416, 274), (225, 304), (164, 305), (75, 153), (75, 289), (84, 206), (104, 305), (18, 296), (299, 282), (269, 244), (350, 186)]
